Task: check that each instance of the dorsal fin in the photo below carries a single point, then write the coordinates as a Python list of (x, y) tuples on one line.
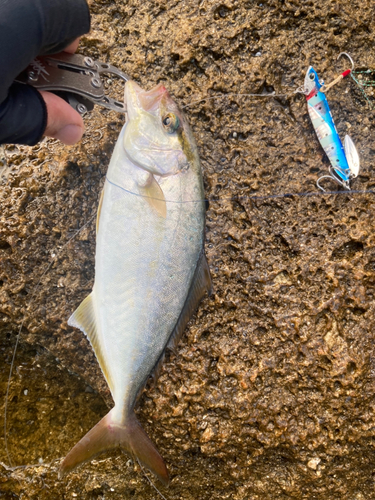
[(84, 318)]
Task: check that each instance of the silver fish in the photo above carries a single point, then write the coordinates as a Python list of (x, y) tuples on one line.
[(150, 267)]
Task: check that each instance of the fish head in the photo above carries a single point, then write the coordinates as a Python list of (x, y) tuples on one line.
[(157, 137), (312, 83)]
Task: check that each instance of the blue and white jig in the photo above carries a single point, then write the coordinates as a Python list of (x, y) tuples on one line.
[(344, 159)]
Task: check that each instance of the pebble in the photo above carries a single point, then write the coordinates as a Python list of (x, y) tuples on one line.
[(313, 463)]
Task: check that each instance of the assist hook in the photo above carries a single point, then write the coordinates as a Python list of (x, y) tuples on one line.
[(348, 56), (347, 72)]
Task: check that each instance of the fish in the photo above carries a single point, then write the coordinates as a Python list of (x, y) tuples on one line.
[(344, 159), (150, 267)]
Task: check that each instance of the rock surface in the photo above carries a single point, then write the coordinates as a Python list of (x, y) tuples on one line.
[(270, 394)]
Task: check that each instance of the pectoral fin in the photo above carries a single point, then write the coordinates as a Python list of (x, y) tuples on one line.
[(84, 318), (154, 196)]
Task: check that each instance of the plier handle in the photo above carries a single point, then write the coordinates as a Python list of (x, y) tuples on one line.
[(74, 77)]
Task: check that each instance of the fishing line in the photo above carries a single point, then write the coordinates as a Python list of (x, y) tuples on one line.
[(58, 254), (223, 96), (356, 76), (31, 466), (299, 90), (149, 480), (214, 198)]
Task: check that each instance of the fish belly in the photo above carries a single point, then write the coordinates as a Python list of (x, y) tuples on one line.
[(144, 267)]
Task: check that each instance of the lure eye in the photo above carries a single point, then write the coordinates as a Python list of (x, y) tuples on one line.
[(170, 122), (312, 76)]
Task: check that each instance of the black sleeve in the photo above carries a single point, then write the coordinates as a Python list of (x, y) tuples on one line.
[(29, 28)]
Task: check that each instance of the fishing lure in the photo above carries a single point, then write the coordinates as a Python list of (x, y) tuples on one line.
[(344, 159)]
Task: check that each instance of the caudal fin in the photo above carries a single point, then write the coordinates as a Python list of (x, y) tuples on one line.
[(107, 435)]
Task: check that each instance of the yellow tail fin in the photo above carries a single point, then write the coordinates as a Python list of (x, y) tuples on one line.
[(107, 435)]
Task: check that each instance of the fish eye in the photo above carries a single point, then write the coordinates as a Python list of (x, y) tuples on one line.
[(170, 122), (312, 76)]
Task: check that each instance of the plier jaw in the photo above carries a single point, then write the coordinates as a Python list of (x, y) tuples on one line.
[(74, 77)]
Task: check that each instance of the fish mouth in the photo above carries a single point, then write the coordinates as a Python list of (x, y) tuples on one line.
[(147, 100)]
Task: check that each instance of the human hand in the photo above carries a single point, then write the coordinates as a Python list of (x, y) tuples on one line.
[(36, 28), (63, 122)]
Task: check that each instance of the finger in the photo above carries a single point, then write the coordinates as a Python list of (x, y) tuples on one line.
[(73, 46), (63, 122)]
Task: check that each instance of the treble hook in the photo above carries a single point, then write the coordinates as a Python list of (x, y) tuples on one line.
[(348, 56), (333, 177)]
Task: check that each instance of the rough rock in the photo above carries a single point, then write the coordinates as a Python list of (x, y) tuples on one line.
[(270, 393)]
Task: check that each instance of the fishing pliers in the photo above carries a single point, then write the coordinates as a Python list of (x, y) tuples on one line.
[(75, 78)]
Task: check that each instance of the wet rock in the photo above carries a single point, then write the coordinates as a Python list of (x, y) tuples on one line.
[(270, 393)]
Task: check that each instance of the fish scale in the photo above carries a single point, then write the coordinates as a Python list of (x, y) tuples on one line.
[(150, 267)]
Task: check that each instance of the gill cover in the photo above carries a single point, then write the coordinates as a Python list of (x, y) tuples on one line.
[(152, 141), (149, 141)]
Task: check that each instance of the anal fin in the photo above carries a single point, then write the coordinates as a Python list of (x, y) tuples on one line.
[(84, 318)]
